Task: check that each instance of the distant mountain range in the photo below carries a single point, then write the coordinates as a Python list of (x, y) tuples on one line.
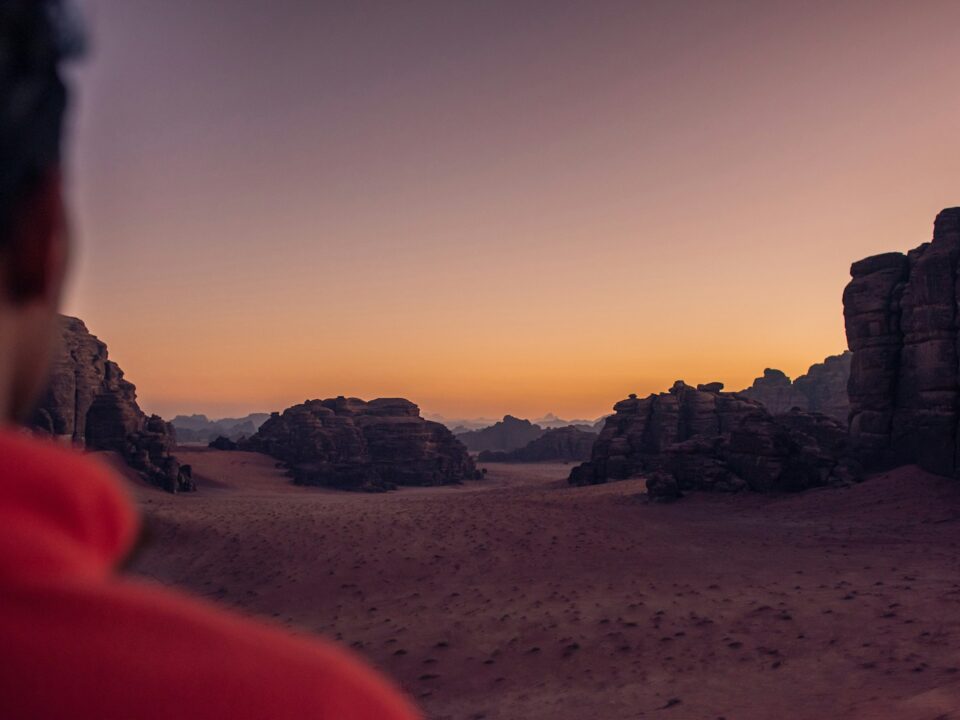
[(459, 426), (563, 444), (551, 421), (513, 433), (200, 428), (509, 434)]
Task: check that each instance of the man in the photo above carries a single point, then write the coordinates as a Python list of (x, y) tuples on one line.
[(78, 640)]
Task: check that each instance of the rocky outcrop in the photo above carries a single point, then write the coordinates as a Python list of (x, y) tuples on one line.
[(706, 439), (823, 389), (356, 445), (89, 403), (509, 434), (901, 314), (566, 444)]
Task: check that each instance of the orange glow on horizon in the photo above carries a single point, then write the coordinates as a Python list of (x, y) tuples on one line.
[(487, 214)]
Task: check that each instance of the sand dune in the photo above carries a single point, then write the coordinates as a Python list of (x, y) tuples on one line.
[(521, 597)]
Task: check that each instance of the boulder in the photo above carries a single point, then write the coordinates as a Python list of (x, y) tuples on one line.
[(663, 487), (356, 445), (90, 404)]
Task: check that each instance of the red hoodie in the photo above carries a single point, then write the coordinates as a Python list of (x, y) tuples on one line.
[(79, 641)]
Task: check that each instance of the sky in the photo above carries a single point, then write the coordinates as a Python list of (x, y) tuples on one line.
[(493, 207)]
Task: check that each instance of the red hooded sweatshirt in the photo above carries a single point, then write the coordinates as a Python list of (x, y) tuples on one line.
[(79, 641)]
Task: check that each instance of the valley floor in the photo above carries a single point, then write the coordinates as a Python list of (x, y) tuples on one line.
[(520, 597)]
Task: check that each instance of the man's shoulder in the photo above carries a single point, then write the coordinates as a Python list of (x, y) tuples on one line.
[(127, 649), (88, 643), (26, 457), (60, 510)]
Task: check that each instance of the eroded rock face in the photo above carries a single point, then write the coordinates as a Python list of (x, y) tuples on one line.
[(89, 403), (823, 389), (509, 434), (901, 314), (566, 444), (706, 439), (356, 445)]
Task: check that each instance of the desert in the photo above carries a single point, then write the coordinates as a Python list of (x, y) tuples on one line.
[(519, 596)]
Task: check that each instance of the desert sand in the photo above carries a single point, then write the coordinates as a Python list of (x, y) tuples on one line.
[(521, 597)]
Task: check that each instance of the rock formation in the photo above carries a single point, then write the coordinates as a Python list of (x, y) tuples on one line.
[(901, 314), (565, 444), (706, 439), (823, 389), (356, 445), (89, 403), (509, 434)]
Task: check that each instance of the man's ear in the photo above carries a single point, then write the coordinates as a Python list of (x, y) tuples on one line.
[(37, 252)]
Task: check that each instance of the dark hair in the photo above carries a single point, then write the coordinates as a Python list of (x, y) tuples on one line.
[(35, 36)]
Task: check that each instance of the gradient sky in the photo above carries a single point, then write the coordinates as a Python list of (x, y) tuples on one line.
[(494, 207)]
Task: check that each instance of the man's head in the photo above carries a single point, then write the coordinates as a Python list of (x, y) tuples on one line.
[(35, 37)]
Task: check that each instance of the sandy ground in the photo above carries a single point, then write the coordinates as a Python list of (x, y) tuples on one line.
[(520, 597)]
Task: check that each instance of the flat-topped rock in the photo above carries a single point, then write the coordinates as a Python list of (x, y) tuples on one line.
[(357, 445), (893, 261)]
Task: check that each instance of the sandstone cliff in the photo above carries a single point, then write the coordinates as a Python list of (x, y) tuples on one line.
[(357, 445), (706, 439), (564, 444), (823, 389), (901, 314), (89, 403)]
